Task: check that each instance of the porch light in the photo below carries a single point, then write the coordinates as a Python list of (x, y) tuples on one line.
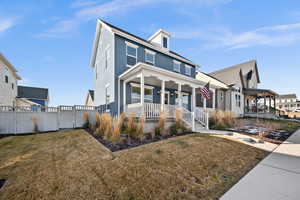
[(158, 92)]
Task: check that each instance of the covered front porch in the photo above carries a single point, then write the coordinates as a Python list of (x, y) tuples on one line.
[(148, 90), (260, 103)]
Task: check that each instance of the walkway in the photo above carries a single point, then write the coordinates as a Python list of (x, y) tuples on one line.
[(277, 177)]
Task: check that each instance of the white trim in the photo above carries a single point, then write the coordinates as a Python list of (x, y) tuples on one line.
[(158, 32), (149, 51), (132, 45), (138, 85)]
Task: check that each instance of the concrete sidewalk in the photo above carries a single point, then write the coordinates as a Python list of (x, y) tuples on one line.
[(277, 177)]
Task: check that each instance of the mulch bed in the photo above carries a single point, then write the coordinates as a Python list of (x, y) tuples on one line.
[(129, 143), (2, 182)]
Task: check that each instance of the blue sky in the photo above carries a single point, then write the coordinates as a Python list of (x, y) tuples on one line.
[(50, 41)]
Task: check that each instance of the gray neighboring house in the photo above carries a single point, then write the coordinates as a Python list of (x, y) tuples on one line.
[(244, 97), (143, 76), (29, 96)]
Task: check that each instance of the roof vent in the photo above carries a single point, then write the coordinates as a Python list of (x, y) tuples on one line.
[(161, 38)]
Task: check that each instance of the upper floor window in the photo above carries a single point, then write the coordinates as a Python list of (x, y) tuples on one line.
[(221, 95), (96, 70), (165, 42), (6, 79), (107, 96), (149, 57), (188, 70), (176, 66), (131, 54), (12, 86)]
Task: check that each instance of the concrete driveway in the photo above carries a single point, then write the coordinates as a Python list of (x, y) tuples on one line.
[(277, 177)]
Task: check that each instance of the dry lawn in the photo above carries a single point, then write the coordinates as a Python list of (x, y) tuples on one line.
[(72, 165)]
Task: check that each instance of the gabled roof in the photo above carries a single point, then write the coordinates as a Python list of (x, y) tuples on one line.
[(32, 93), (231, 74), (10, 66), (91, 93), (287, 96), (137, 39)]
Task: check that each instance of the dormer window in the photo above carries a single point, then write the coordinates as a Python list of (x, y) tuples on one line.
[(176, 66), (165, 42), (131, 54), (188, 70), (149, 57)]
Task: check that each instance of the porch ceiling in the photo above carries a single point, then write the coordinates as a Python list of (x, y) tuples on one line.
[(260, 92), (154, 75)]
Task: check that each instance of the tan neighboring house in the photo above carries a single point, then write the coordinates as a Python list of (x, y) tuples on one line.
[(243, 95), (89, 101), (288, 103), (8, 82)]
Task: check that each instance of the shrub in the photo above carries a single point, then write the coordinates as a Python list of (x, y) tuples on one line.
[(173, 129), (131, 125), (162, 123), (115, 135), (106, 125), (86, 120), (178, 117), (98, 120), (122, 122), (222, 120), (140, 128), (35, 125)]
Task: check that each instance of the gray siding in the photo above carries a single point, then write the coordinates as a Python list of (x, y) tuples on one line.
[(104, 76)]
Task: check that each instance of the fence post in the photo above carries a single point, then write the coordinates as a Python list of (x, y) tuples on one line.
[(57, 116), (74, 116), (15, 120)]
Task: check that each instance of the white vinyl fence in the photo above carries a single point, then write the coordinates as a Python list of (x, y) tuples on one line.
[(18, 120)]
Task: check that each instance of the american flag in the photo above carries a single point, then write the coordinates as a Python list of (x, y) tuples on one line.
[(205, 91)]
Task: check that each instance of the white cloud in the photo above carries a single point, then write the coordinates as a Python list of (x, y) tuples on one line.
[(278, 35), (89, 10), (7, 23)]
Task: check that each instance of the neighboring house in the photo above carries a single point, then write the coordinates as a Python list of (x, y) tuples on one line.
[(142, 76), (29, 96), (287, 102), (243, 95), (90, 98), (8, 82)]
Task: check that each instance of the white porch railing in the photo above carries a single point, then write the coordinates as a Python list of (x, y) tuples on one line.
[(153, 111), (202, 117)]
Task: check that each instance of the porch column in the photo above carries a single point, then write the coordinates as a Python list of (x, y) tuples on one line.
[(204, 102), (142, 92), (256, 104), (179, 95), (124, 96), (162, 97), (270, 104), (265, 104), (193, 99)]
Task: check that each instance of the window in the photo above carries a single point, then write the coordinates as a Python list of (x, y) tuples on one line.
[(131, 53), (238, 100), (298, 105), (6, 79), (12, 86), (136, 94), (149, 57), (221, 95), (176, 66), (96, 71), (165, 42), (107, 96), (188, 70)]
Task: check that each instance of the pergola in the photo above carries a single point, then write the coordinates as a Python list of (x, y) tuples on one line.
[(257, 94)]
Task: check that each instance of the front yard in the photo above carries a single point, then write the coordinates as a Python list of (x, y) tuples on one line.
[(73, 165)]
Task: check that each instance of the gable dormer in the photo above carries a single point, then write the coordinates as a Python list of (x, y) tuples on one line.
[(161, 38)]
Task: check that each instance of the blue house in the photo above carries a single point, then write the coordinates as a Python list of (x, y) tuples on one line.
[(143, 76)]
